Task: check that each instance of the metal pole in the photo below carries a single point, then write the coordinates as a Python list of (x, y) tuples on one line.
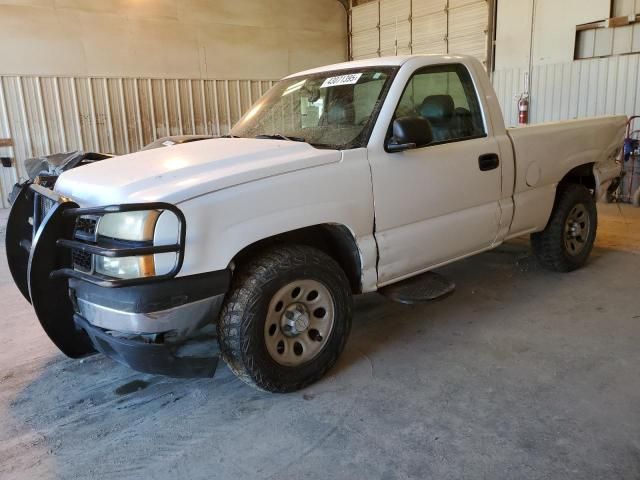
[(533, 21), (491, 36), (446, 38), (379, 32), (396, 37), (411, 26), (350, 30)]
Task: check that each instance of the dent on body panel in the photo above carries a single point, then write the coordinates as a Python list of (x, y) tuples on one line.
[(506, 206), (532, 209), (604, 174), (442, 238), (368, 250)]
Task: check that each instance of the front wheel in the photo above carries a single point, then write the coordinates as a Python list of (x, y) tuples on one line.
[(566, 243), (286, 318)]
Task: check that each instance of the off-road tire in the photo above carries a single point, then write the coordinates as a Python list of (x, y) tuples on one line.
[(549, 245), (241, 326)]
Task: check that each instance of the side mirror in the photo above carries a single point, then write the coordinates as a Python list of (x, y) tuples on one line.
[(409, 133)]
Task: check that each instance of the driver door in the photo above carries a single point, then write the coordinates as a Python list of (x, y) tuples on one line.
[(439, 202)]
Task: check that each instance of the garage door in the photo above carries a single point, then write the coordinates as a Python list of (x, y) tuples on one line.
[(468, 27), (390, 27), (365, 31)]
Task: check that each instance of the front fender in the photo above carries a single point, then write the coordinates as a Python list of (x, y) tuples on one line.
[(223, 223)]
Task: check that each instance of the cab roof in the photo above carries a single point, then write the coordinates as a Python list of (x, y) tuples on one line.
[(396, 61)]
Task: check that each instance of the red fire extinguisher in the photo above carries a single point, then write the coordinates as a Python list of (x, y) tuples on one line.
[(523, 109)]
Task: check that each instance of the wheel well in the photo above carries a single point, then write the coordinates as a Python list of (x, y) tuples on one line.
[(581, 175), (333, 239)]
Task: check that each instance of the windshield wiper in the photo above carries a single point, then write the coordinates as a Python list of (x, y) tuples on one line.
[(279, 136)]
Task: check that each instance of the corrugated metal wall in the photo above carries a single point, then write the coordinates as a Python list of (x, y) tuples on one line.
[(46, 115), (584, 88)]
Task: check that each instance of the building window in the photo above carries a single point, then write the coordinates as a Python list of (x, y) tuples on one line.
[(607, 39)]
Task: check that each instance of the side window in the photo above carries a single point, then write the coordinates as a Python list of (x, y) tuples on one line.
[(445, 96)]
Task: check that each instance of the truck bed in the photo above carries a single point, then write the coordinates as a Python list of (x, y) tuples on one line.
[(544, 153)]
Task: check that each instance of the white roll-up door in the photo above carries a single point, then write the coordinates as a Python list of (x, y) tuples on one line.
[(390, 27), (365, 30), (395, 27), (429, 26), (468, 27)]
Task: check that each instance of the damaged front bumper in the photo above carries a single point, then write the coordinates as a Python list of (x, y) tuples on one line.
[(140, 322)]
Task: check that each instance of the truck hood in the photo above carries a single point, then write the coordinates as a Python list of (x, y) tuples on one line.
[(178, 173)]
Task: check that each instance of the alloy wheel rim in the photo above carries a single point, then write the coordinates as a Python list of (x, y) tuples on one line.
[(576, 230), (299, 322)]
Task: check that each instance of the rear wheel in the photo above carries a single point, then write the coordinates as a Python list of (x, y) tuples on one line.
[(286, 318), (566, 243)]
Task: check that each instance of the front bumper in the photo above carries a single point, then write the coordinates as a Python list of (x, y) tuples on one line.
[(138, 322), (180, 305), (147, 357), (146, 326), (182, 320)]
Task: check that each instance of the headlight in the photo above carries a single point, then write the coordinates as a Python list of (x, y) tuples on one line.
[(125, 267), (126, 244), (132, 226), (137, 226)]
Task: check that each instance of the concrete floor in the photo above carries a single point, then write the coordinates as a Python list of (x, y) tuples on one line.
[(522, 374)]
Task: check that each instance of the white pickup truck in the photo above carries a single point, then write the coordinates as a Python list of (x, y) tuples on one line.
[(341, 180)]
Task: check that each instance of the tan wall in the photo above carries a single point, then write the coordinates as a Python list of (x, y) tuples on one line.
[(513, 34), (554, 32), (223, 39)]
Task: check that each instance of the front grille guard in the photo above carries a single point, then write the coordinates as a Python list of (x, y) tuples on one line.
[(43, 196)]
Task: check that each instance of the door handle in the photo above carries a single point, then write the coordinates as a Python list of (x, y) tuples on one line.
[(488, 161)]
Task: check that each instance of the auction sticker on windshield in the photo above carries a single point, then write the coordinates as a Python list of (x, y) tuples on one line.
[(350, 79)]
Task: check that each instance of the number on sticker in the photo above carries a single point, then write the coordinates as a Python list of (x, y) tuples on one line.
[(350, 79)]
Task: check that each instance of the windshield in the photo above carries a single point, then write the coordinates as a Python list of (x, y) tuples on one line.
[(332, 109)]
